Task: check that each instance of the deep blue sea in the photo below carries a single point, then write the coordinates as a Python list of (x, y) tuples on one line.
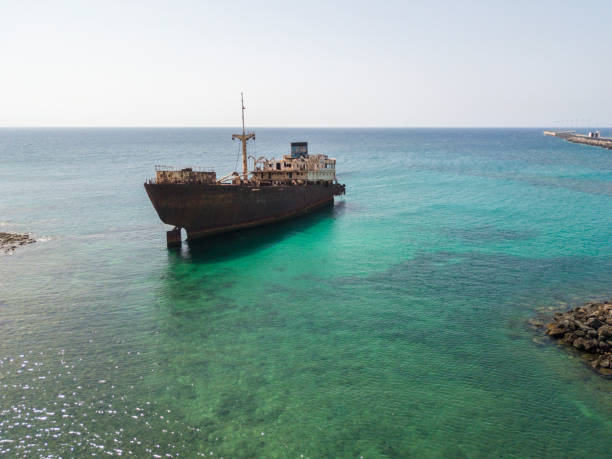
[(393, 325)]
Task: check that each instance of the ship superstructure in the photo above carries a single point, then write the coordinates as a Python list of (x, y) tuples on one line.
[(298, 168), (275, 190)]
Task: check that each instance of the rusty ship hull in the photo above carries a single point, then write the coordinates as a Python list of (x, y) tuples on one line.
[(206, 209)]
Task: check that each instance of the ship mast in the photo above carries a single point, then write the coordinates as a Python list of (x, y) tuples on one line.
[(243, 138)]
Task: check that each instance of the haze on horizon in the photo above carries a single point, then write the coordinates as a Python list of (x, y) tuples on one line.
[(343, 63)]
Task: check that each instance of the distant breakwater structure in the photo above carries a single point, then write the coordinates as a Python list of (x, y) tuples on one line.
[(587, 329), (10, 241), (593, 138)]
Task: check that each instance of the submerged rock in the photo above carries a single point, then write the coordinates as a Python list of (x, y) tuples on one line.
[(10, 241), (587, 329)]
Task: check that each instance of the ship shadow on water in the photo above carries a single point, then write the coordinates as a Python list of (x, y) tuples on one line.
[(248, 241)]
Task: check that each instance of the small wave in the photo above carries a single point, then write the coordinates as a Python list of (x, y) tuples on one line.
[(91, 236)]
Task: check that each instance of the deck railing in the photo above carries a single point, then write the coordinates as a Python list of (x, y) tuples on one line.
[(159, 167)]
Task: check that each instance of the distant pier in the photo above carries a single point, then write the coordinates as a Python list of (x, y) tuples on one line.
[(593, 138)]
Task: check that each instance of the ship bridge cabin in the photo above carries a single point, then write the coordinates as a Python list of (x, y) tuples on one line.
[(297, 168)]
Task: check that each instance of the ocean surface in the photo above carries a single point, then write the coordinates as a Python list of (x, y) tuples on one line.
[(393, 325)]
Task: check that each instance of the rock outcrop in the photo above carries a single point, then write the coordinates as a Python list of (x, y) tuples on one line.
[(588, 329), (10, 241)]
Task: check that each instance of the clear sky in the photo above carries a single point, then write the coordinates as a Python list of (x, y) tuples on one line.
[(305, 63)]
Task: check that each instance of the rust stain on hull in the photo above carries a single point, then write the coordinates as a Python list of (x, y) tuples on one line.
[(265, 221)]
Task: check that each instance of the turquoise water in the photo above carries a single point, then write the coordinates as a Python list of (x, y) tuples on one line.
[(394, 325)]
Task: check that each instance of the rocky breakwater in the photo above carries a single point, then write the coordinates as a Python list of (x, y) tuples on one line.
[(587, 329), (593, 141), (10, 241)]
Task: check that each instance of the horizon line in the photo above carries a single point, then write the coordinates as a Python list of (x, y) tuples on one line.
[(297, 127)]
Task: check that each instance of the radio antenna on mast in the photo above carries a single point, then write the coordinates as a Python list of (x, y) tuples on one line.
[(243, 108)]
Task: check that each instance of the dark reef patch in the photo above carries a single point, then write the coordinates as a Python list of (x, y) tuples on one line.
[(490, 233)]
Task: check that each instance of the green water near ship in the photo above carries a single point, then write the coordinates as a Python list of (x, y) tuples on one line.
[(393, 325)]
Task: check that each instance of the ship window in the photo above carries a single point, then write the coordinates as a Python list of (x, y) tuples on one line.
[(278, 166)]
